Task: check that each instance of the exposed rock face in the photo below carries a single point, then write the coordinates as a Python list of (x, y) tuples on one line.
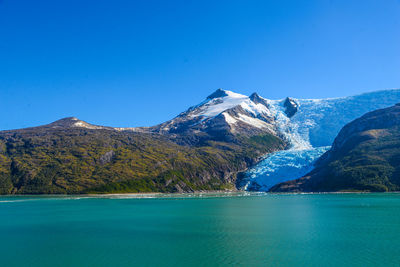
[(107, 157), (258, 99), (291, 107), (217, 94), (365, 156)]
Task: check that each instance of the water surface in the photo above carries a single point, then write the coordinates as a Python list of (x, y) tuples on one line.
[(206, 230)]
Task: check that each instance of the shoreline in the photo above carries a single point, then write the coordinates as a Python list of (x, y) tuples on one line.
[(190, 194)]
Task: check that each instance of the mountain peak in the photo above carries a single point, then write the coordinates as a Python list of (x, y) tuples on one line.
[(65, 122), (256, 98), (218, 93), (254, 95), (291, 106), (70, 122)]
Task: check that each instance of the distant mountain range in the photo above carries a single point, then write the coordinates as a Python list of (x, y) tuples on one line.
[(203, 148)]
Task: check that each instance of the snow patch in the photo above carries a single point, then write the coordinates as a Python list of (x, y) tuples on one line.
[(229, 119), (254, 108), (254, 122), (79, 124), (218, 105)]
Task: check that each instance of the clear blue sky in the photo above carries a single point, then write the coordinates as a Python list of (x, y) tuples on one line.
[(139, 63)]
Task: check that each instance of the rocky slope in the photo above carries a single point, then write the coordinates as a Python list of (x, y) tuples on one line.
[(365, 156)]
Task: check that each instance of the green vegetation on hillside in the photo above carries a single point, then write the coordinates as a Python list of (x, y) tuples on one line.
[(76, 160), (370, 165)]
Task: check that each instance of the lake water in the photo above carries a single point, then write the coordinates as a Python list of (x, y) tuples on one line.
[(207, 230)]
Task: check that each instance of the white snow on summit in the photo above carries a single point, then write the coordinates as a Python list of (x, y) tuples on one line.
[(214, 107), (222, 104)]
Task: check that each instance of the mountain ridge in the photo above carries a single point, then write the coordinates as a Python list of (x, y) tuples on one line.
[(205, 147), (288, 103)]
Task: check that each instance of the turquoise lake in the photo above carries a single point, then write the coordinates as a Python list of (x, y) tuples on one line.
[(201, 230)]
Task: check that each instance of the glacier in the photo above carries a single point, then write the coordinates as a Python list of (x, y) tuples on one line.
[(310, 132), (282, 165)]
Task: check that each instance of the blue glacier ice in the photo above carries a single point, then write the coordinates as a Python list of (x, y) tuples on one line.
[(310, 132), (281, 166)]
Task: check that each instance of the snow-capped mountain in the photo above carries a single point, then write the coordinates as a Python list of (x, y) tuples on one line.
[(224, 112)]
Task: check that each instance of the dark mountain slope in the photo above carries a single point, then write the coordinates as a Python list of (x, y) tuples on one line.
[(72, 156), (365, 156)]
